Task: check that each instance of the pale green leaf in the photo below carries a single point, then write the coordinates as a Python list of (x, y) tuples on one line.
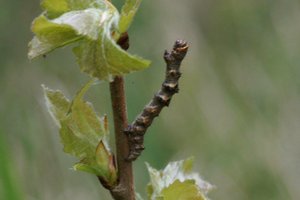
[(85, 119), (156, 184), (81, 129), (187, 165), (102, 165), (83, 22), (81, 166), (49, 36), (69, 27), (186, 190), (59, 108), (104, 58), (176, 175), (83, 134), (95, 24), (54, 8), (57, 104), (75, 142), (38, 48), (105, 162), (149, 190), (128, 12)]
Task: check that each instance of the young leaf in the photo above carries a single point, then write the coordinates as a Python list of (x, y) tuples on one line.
[(55, 8), (95, 24), (128, 12), (65, 29), (83, 133), (49, 36), (186, 190), (105, 161), (177, 181), (104, 59), (58, 105)]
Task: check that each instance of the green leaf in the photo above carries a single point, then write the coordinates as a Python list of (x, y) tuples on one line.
[(186, 190), (103, 166), (54, 8), (95, 25), (80, 128), (128, 12), (58, 105), (104, 58), (83, 22), (106, 161), (187, 165), (83, 134), (177, 181), (70, 27)]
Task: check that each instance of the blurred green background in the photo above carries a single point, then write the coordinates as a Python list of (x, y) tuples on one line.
[(238, 110)]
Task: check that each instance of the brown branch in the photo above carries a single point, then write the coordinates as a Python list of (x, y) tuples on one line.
[(162, 98), (124, 189)]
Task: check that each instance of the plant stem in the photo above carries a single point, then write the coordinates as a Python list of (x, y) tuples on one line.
[(124, 190)]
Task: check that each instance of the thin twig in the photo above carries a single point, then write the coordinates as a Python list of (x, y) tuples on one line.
[(162, 98), (124, 189)]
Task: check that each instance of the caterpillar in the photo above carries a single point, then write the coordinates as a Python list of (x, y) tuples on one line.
[(137, 129)]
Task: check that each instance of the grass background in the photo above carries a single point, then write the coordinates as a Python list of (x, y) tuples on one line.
[(237, 112)]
